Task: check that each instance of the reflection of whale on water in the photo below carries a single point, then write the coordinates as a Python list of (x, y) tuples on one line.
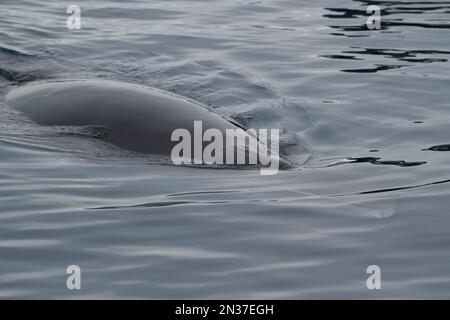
[(134, 117)]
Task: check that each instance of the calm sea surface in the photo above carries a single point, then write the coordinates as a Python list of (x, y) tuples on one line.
[(364, 113)]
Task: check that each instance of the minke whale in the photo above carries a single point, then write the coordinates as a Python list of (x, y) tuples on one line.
[(135, 117)]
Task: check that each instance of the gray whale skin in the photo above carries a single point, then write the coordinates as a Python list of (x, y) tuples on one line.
[(137, 118)]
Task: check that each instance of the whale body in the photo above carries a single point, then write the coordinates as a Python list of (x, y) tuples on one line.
[(144, 120), (135, 117)]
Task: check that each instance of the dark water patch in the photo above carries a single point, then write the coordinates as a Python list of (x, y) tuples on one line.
[(393, 189), (323, 163), (399, 163), (388, 24), (412, 56), (395, 53), (385, 25), (350, 35), (406, 187), (393, 2), (14, 53), (375, 69), (18, 67), (441, 147), (362, 27), (425, 60), (20, 77), (338, 56), (143, 205), (418, 9), (344, 13)]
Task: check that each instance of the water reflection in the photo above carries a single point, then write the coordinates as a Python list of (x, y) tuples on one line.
[(397, 17), (393, 9)]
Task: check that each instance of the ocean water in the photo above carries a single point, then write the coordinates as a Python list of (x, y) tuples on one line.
[(364, 114)]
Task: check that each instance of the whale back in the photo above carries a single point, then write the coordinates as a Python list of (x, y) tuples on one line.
[(135, 117)]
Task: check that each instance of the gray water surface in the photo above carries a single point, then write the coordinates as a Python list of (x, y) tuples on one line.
[(365, 114)]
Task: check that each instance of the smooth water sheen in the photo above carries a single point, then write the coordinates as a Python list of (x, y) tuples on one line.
[(365, 112)]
